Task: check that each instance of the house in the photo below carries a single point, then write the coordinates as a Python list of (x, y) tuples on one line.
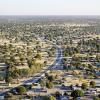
[(98, 64), (64, 98), (3, 68), (1, 97)]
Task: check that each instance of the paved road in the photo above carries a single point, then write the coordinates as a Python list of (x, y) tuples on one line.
[(54, 65), (41, 74), (57, 63)]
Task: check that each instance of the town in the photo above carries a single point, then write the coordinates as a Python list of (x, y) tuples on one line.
[(49, 58)]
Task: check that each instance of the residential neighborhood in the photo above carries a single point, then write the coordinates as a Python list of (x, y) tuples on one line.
[(49, 58)]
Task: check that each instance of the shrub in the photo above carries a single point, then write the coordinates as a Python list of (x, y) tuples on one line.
[(49, 84), (92, 84), (21, 90), (77, 93), (49, 98), (84, 86)]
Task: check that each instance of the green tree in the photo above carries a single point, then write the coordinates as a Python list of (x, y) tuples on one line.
[(49, 84), (45, 63), (97, 58), (76, 93), (9, 96), (42, 83), (92, 84), (58, 94), (38, 56), (21, 90), (23, 72), (84, 86), (8, 79), (50, 78), (99, 95), (1, 78), (49, 98), (96, 98)]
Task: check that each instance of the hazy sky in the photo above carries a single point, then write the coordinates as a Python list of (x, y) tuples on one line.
[(49, 7)]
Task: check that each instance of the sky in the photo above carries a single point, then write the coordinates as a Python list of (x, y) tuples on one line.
[(49, 7)]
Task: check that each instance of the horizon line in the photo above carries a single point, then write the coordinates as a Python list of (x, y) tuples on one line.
[(46, 15)]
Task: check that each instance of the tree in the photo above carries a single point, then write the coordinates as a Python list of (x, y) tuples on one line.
[(96, 98), (76, 93), (38, 56), (45, 62), (49, 98), (16, 74), (71, 87), (65, 94), (49, 84), (8, 79), (99, 95), (92, 84), (97, 58), (1, 78), (90, 67), (42, 83), (23, 72), (84, 86), (50, 78), (58, 94), (71, 41), (21, 90), (9, 96)]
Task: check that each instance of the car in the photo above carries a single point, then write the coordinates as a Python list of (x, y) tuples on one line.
[(43, 90), (35, 84), (78, 98), (14, 91)]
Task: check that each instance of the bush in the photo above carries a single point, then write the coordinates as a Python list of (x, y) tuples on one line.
[(96, 98), (58, 94), (84, 86), (77, 93), (21, 90), (99, 95), (49, 98), (49, 84), (92, 84), (8, 79), (1, 78), (8, 95), (50, 78), (38, 56)]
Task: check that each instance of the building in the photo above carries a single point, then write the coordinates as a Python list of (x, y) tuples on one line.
[(3, 68)]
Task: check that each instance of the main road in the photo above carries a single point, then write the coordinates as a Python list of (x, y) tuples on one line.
[(40, 75), (56, 63)]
